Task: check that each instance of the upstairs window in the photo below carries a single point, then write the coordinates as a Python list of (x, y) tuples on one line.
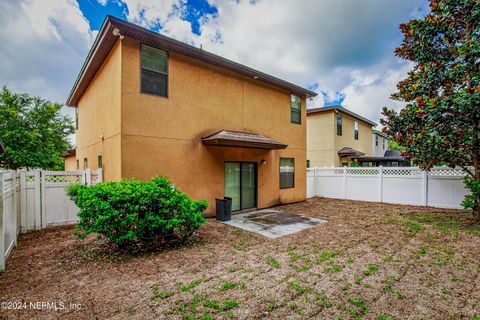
[(295, 109), (383, 142), (85, 163), (76, 118), (308, 163), (339, 124), (78, 164), (154, 71), (376, 140), (355, 131), (100, 162)]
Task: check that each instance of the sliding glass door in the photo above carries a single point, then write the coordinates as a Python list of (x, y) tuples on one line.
[(240, 183)]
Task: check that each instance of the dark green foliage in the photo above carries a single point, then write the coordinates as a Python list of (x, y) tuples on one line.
[(440, 123), (33, 132), (137, 210)]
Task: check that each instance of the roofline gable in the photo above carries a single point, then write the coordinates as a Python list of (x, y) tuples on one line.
[(340, 109), (105, 41)]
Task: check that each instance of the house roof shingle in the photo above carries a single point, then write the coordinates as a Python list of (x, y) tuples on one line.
[(349, 152), (242, 139), (342, 110)]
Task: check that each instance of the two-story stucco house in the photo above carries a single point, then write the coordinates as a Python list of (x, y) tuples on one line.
[(336, 135), (149, 105), (380, 143)]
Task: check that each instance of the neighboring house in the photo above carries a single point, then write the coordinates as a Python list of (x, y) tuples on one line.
[(149, 105), (380, 143), (335, 135), (391, 158), (70, 161)]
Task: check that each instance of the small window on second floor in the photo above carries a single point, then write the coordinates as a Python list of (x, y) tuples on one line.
[(295, 109), (78, 164), (355, 132), (339, 124), (154, 71), (100, 162), (383, 142), (76, 118), (308, 163), (376, 140), (85, 163)]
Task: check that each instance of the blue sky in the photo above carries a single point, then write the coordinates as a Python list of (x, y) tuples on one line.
[(341, 49)]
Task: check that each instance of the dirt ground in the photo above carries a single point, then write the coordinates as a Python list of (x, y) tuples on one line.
[(371, 261)]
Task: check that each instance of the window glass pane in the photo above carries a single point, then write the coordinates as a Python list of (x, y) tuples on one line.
[(296, 102), (287, 172), (154, 83), (296, 109), (100, 162), (154, 59), (248, 185), (339, 124), (296, 116), (232, 183)]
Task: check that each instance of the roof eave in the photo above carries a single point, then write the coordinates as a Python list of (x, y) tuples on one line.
[(341, 110), (169, 44)]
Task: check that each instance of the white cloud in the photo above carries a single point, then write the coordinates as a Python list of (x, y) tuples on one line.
[(369, 90), (342, 46), (42, 46)]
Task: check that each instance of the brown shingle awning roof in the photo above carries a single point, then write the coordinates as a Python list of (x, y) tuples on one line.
[(242, 139), (349, 152), (69, 153)]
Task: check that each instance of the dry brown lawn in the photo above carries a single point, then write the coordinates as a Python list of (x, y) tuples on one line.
[(371, 260)]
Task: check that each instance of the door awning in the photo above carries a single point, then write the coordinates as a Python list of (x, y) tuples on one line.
[(349, 152), (242, 139)]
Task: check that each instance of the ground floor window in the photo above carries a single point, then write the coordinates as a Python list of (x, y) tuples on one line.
[(287, 173)]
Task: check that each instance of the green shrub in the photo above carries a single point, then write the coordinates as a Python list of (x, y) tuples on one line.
[(136, 210)]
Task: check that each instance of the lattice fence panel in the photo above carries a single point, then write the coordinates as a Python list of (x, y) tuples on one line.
[(362, 171), (401, 172), (446, 172), (75, 178)]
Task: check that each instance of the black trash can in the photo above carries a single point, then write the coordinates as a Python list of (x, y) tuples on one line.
[(224, 209)]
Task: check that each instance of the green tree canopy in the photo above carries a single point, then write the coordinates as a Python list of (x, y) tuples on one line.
[(33, 132), (440, 122)]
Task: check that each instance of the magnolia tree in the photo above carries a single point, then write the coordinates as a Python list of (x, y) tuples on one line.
[(440, 123)]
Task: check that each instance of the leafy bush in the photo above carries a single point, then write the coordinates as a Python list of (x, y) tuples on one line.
[(472, 200), (136, 210)]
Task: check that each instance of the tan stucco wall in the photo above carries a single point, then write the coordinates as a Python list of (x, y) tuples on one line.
[(324, 143), (99, 118), (382, 145), (161, 136), (320, 142), (70, 163), (364, 142)]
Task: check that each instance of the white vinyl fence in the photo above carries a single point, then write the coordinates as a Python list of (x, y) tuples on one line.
[(440, 187), (33, 200)]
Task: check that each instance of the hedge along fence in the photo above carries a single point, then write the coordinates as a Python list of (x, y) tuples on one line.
[(34, 200), (440, 187)]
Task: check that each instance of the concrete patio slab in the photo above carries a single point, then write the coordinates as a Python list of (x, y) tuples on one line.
[(272, 223)]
